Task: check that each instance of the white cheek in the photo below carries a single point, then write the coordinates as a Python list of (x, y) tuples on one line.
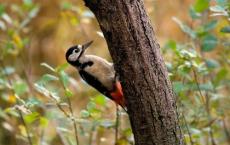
[(73, 57)]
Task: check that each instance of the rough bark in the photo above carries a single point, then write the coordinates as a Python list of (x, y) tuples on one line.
[(138, 61)]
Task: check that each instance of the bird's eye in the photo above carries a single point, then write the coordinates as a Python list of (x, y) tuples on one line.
[(76, 50)]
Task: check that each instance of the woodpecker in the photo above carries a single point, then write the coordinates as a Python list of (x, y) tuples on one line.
[(97, 72)]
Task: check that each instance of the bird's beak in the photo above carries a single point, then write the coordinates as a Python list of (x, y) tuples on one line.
[(86, 45)]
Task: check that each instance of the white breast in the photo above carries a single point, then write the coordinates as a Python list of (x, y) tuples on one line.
[(101, 69)]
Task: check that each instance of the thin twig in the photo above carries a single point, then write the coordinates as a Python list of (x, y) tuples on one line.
[(206, 103), (72, 115), (6, 76), (73, 120), (42, 136), (26, 128), (91, 135), (60, 108), (117, 123), (198, 86), (58, 105), (183, 117), (19, 111), (62, 138), (187, 128), (226, 131), (209, 118)]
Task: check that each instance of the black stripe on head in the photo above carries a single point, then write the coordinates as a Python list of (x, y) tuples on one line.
[(69, 52), (74, 53)]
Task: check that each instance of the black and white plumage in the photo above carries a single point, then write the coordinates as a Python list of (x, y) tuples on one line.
[(96, 71)]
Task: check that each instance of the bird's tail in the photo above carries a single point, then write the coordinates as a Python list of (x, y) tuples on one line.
[(118, 96)]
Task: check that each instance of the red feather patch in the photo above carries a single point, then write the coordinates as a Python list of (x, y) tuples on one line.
[(117, 94)]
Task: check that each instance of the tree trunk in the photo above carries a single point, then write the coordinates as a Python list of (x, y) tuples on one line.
[(136, 55)]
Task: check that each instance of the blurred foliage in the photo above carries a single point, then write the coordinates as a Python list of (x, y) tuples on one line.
[(42, 101), (199, 69)]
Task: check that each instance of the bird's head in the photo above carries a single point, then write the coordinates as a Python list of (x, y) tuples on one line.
[(74, 53)]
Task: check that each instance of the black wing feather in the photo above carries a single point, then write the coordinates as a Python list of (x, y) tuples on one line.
[(91, 80)]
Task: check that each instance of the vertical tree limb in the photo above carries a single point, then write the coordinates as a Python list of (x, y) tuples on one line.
[(137, 58)]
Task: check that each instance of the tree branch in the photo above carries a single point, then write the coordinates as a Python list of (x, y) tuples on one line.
[(138, 61)]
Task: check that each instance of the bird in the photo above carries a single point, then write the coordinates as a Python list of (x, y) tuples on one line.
[(97, 72)]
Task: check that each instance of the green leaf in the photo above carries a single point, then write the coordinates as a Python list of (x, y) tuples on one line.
[(226, 44), (7, 18), (28, 2), (221, 1), (3, 83), (55, 96), (20, 88), (217, 9), (8, 70), (208, 43), (33, 13), (201, 5), (61, 67), (220, 76), (90, 106), (3, 25), (206, 87), (32, 101), (179, 87), (30, 118), (225, 29), (193, 14), (107, 123), (171, 44), (48, 66), (95, 113), (74, 20), (84, 114), (25, 41), (64, 130), (2, 9), (68, 93), (12, 111), (203, 29), (9, 46), (169, 66), (195, 131), (209, 26), (64, 78), (100, 100), (203, 87), (185, 28), (188, 53), (44, 122), (128, 132), (66, 5), (3, 114), (42, 89), (47, 78), (211, 63)]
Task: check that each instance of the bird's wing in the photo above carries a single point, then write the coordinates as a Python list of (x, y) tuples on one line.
[(116, 95), (91, 80)]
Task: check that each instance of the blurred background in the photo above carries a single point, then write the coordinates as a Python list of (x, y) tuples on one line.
[(44, 102)]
